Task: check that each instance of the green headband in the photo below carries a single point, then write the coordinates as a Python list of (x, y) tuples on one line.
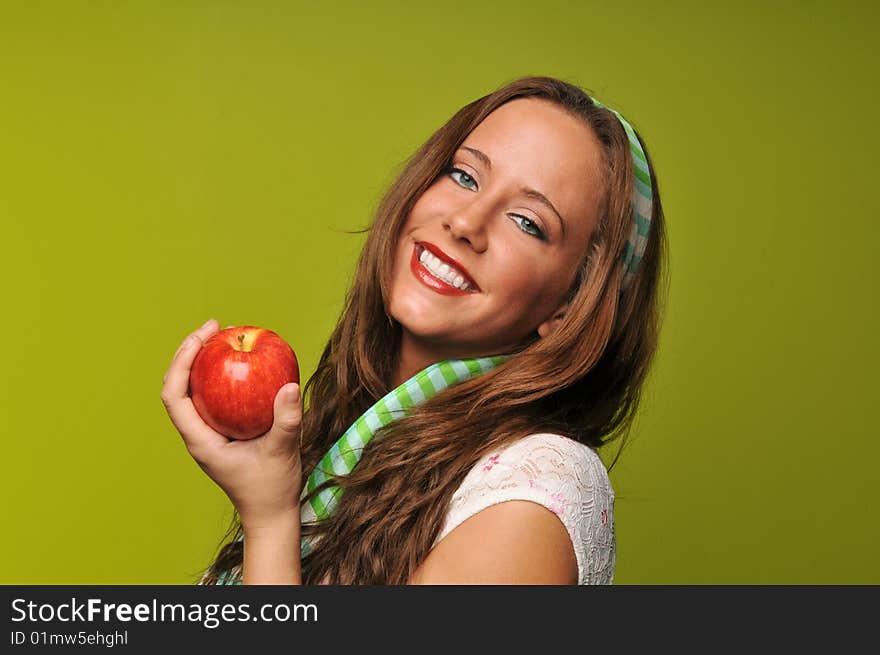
[(642, 201)]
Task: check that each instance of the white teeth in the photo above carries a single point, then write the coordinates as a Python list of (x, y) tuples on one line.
[(442, 270)]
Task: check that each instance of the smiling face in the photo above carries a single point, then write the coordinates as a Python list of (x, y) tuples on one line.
[(517, 256)]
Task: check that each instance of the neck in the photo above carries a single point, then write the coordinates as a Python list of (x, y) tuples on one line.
[(416, 355)]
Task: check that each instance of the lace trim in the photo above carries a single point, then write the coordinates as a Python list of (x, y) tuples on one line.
[(559, 473)]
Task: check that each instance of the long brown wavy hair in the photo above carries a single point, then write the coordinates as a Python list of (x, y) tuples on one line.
[(583, 380)]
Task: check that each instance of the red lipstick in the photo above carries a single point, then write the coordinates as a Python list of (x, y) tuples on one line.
[(436, 283)]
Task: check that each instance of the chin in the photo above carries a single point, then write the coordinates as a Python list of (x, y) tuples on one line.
[(420, 326)]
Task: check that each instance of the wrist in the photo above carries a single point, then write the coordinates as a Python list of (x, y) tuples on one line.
[(272, 551), (255, 525)]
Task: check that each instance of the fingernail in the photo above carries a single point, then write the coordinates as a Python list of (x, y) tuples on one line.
[(206, 323), (294, 393)]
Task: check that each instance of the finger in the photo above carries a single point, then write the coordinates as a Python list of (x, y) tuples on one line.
[(202, 334), (198, 436), (285, 431), (195, 432)]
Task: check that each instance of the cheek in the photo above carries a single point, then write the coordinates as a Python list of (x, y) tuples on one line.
[(414, 220), (405, 239), (517, 287), (423, 207), (402, 254), (419, 215), (527, 293)]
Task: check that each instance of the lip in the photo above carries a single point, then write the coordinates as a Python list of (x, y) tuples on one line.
[(434, 283), (442, 256)]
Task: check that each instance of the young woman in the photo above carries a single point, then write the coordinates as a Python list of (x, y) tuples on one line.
[(502, 322)]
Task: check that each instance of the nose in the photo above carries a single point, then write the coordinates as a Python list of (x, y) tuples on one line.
[(470, 222)]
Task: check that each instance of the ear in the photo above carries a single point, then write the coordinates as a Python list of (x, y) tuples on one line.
[(552, 323)]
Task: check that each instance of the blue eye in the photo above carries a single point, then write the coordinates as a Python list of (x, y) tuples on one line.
[(535, 231), (452, 171)]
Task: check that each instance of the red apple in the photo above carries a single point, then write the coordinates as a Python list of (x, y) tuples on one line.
[(235, 377)]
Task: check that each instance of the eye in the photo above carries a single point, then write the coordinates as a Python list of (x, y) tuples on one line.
[(535, 230), (464, 176)]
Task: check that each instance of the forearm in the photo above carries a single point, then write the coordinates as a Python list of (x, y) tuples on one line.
[(272, 552)]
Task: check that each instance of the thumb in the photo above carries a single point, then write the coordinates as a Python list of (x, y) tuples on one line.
[(285, 430)]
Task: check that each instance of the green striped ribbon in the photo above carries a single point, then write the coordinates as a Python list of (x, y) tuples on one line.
[(344, 455), (642, 201)]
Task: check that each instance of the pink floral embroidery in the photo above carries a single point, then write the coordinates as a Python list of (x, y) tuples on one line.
[(492, 461), (558, 507), (604, 515)]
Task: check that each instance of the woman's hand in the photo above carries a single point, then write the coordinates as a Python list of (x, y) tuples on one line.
[(261, 476)]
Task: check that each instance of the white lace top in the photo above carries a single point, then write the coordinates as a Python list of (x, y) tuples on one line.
[(566, 477)]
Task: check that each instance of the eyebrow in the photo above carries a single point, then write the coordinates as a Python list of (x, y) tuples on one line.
[(526, 191)]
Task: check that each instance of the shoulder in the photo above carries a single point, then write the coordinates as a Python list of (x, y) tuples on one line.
[(548, 453), (542, 462), (564, 476)]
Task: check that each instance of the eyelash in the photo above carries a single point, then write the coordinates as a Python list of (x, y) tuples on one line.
[(539, 235)]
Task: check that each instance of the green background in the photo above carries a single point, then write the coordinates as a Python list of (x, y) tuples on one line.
[(168, 162)]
